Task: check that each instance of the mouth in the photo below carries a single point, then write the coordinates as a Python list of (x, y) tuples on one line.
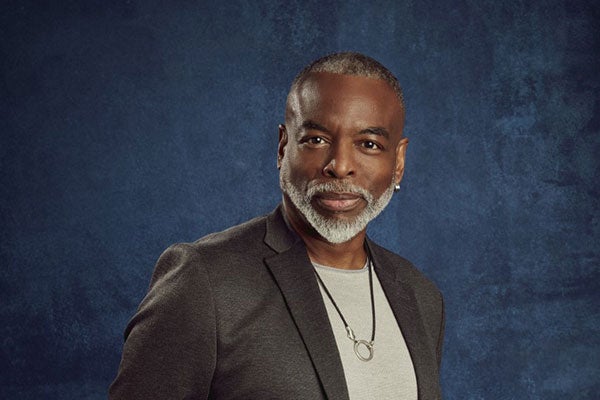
[(337, 202)]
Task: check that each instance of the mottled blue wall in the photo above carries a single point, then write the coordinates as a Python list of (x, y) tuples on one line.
[(129, 125)]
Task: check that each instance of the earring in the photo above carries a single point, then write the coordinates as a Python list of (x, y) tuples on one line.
[(397, 187)]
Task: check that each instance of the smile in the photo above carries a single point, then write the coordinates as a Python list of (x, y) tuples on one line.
[(337, 202)]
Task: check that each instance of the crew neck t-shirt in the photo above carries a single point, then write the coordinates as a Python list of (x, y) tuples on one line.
[(390, 373)]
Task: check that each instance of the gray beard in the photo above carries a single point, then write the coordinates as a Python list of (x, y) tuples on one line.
[(332, 229)]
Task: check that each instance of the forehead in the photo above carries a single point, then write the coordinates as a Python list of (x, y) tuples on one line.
[(347, 99)]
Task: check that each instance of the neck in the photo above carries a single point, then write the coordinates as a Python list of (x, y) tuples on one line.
[(347, 255)]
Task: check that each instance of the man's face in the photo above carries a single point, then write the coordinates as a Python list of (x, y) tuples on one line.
[(340, 153)]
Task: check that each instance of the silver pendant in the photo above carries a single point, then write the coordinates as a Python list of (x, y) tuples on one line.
[(357, 342)]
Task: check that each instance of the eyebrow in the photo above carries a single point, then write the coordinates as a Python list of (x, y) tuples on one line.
[(375, 130), (372, 130), (312, 125)]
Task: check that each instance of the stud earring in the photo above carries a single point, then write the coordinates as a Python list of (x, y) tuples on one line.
[(397, 187)]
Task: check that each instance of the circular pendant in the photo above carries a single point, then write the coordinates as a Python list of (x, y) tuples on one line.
[(369, 347)]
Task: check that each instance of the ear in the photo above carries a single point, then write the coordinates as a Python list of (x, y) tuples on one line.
[(400, 157), (283, 139)]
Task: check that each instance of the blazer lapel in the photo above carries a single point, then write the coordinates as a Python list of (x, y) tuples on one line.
[(404, 305), (293, 272)]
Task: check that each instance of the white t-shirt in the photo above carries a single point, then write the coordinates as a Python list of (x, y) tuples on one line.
[(390, 374)]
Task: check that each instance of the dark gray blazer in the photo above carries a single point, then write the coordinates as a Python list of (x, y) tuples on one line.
[(239, 315)]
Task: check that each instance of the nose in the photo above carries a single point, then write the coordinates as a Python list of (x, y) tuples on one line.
[(340, 163)]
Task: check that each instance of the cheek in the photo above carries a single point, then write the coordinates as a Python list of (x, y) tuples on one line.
[(306, 164), (380, 185), (378, 176), (296, 171)]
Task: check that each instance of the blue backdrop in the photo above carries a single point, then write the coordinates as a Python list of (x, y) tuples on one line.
[(129, 125)]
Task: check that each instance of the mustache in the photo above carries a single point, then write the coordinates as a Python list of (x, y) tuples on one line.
[(337, 187)]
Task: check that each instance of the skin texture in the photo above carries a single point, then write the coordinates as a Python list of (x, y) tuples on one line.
[(340, 128)]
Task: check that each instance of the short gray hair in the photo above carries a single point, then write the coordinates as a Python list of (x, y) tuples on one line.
[(351, 63)]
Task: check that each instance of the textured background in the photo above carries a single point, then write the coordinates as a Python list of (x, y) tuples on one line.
[(129, 125)]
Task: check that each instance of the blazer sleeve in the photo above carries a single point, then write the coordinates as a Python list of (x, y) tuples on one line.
[(170, 343)]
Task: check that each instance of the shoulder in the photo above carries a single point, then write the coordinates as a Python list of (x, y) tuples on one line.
[(244, 235), (244, 241), (239, 238), (403, 269), (428, 298)]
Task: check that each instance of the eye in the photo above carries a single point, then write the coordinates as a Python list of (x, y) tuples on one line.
[(371, 145), (316, 140)]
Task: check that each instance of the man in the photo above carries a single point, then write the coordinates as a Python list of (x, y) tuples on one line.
[(299, 304)]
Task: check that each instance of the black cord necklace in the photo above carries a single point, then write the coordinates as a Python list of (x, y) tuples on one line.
[(349, 332)]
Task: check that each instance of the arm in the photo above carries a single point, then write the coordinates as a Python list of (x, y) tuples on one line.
[(170, 344)]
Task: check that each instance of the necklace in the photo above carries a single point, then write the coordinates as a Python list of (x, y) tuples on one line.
[(349, 332)]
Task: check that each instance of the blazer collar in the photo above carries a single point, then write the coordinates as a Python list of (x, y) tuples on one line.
[(279, 235), (294, 275)]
